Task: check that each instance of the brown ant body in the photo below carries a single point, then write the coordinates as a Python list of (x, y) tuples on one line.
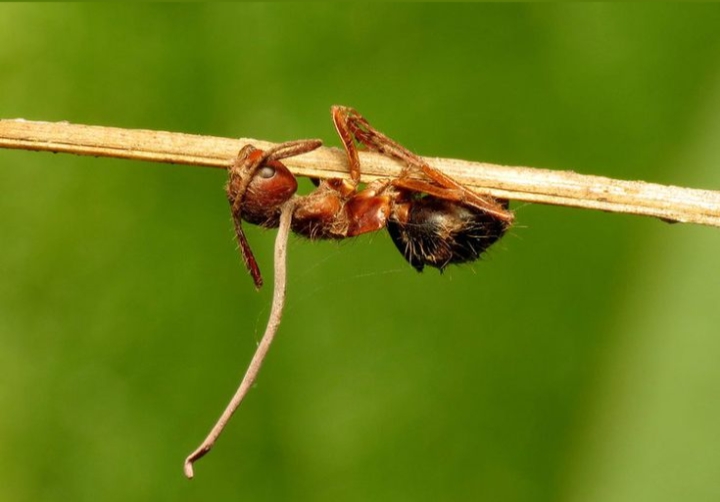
[(432, 219)]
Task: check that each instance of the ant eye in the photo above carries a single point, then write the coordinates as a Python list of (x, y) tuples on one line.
[(266, 172)]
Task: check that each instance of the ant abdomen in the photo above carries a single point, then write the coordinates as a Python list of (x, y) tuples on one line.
[(438, 232)]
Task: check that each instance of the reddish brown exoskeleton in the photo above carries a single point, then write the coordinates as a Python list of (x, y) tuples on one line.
[(258, 186), (431, 218)]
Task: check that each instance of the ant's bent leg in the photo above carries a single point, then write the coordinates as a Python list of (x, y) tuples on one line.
[(490, 205), (340, 116)]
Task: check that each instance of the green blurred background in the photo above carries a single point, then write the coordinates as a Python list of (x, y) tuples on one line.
[(577, 362)]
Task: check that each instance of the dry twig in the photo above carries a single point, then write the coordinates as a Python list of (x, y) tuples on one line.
[(564, 188)]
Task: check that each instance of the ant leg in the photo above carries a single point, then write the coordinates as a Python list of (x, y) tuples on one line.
[(487, 204), (446, 187), (468, 196), (340, 119), (357, 127)]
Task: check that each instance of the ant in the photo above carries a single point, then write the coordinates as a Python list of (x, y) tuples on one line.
[(432, 219)]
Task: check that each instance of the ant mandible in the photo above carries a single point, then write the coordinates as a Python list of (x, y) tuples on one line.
[(432, 219)]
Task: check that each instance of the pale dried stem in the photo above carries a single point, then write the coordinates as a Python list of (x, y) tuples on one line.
[(273, 324), (563, 188)]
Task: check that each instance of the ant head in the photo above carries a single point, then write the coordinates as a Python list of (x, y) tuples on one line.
[(269, 188), (271, 183), (258, 186)]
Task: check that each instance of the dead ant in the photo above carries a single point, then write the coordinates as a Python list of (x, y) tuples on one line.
[(432, 219)]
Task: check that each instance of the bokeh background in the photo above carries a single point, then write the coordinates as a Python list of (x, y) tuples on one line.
[(577, 362)]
